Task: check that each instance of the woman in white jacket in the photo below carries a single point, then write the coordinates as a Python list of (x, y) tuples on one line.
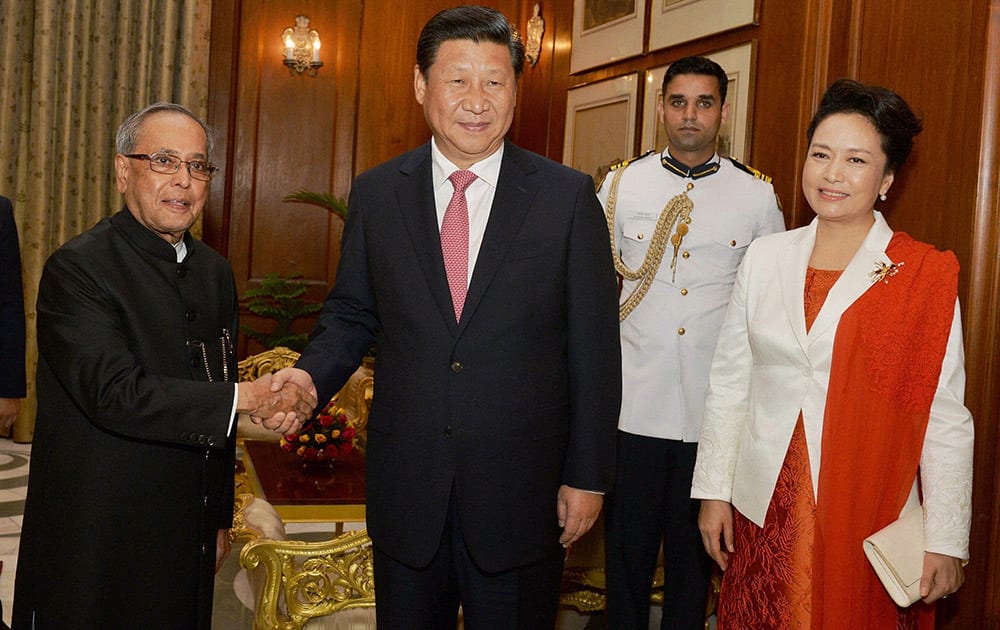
[(835, 397)]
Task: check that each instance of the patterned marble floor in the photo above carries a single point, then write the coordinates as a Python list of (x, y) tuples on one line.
[(14, 460)]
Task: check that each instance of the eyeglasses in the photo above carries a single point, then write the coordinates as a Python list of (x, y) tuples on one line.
[(168, 164)]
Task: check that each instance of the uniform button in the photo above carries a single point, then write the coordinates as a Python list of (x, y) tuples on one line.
[(190, 316), (456, 366), (181, 272), (684, 291), (681, 331), (640, 236), (686, 254), (183, 437), (211, 440), (733, 243), (447, 430)]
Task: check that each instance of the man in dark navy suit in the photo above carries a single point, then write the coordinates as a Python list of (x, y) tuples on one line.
[(491, 434)]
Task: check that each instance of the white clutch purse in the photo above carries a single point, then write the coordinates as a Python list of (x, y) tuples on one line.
[(896, 552)]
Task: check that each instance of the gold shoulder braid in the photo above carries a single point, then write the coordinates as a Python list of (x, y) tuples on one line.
[(751, 170), (676, 212)]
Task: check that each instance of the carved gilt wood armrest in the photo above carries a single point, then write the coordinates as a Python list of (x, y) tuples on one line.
[(305, 580)]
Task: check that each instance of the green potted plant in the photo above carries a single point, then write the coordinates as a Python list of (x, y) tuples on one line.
[(279, 298), (336, 205)]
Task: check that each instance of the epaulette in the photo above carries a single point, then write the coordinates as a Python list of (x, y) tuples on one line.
[(602, 173), (624, 163), (751, 170)]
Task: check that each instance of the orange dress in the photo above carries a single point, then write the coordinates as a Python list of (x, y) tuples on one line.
[(805, 568), (769, 579)]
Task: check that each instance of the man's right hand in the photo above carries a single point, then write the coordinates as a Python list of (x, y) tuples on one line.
[(280, 380), (281, 406)]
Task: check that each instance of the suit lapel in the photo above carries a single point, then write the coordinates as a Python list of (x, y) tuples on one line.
[(856, 278), (415, 199), (511, 203), (792, 262)]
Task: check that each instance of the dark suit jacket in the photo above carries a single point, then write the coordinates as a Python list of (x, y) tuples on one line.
[(521, 397), (12, 381)]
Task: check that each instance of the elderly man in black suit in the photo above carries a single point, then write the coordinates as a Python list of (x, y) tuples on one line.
[(12, 380), (483, 273), (130, 491)]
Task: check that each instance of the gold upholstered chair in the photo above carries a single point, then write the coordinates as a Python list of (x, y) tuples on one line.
[(293, 584)]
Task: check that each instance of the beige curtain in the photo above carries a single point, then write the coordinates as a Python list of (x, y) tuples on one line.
[(70, 72)]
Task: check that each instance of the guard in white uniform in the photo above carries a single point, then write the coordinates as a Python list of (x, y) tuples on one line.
[(681, 222)]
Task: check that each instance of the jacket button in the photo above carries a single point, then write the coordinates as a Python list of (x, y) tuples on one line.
[(447, 430), (686, 254), (681, 331), (733, 243), (181, 271), (684, 291), (190, 316), (456, 366)]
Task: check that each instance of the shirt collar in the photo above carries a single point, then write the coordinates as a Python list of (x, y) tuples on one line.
[(487, 169), (678, 168)]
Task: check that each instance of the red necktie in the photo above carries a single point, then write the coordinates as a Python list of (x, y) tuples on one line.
[(455, 240)]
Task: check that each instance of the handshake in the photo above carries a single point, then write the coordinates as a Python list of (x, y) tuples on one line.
[(281, 402)]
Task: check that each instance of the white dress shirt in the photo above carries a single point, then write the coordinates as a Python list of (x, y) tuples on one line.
[(479, 195)]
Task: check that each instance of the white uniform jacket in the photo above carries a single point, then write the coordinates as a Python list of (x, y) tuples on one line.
[(767, 368), (669, 339)]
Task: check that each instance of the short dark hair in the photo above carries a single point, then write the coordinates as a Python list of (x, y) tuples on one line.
[(697, 65), (128, 133), (479, 24), (895, 122)]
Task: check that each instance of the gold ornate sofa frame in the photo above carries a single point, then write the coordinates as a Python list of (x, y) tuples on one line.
[(305, 580)]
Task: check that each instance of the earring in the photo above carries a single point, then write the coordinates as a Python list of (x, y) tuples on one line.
[(881, 196)]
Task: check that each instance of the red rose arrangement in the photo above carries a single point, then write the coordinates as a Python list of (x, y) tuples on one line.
[(325, 437)]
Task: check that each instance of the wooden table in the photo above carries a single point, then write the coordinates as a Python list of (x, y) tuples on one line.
[(318, 492)]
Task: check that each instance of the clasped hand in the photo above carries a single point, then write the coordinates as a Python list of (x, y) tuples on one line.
[(280, 405)]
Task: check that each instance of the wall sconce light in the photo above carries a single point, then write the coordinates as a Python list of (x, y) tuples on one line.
[(301, 48)]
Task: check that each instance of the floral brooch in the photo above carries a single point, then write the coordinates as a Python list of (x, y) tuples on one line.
[(883, 271)]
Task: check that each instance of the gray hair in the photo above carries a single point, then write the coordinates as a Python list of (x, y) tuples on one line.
[(128, 133)]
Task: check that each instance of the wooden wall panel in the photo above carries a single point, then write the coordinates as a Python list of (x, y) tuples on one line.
[(281, 132), (983, 315)]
